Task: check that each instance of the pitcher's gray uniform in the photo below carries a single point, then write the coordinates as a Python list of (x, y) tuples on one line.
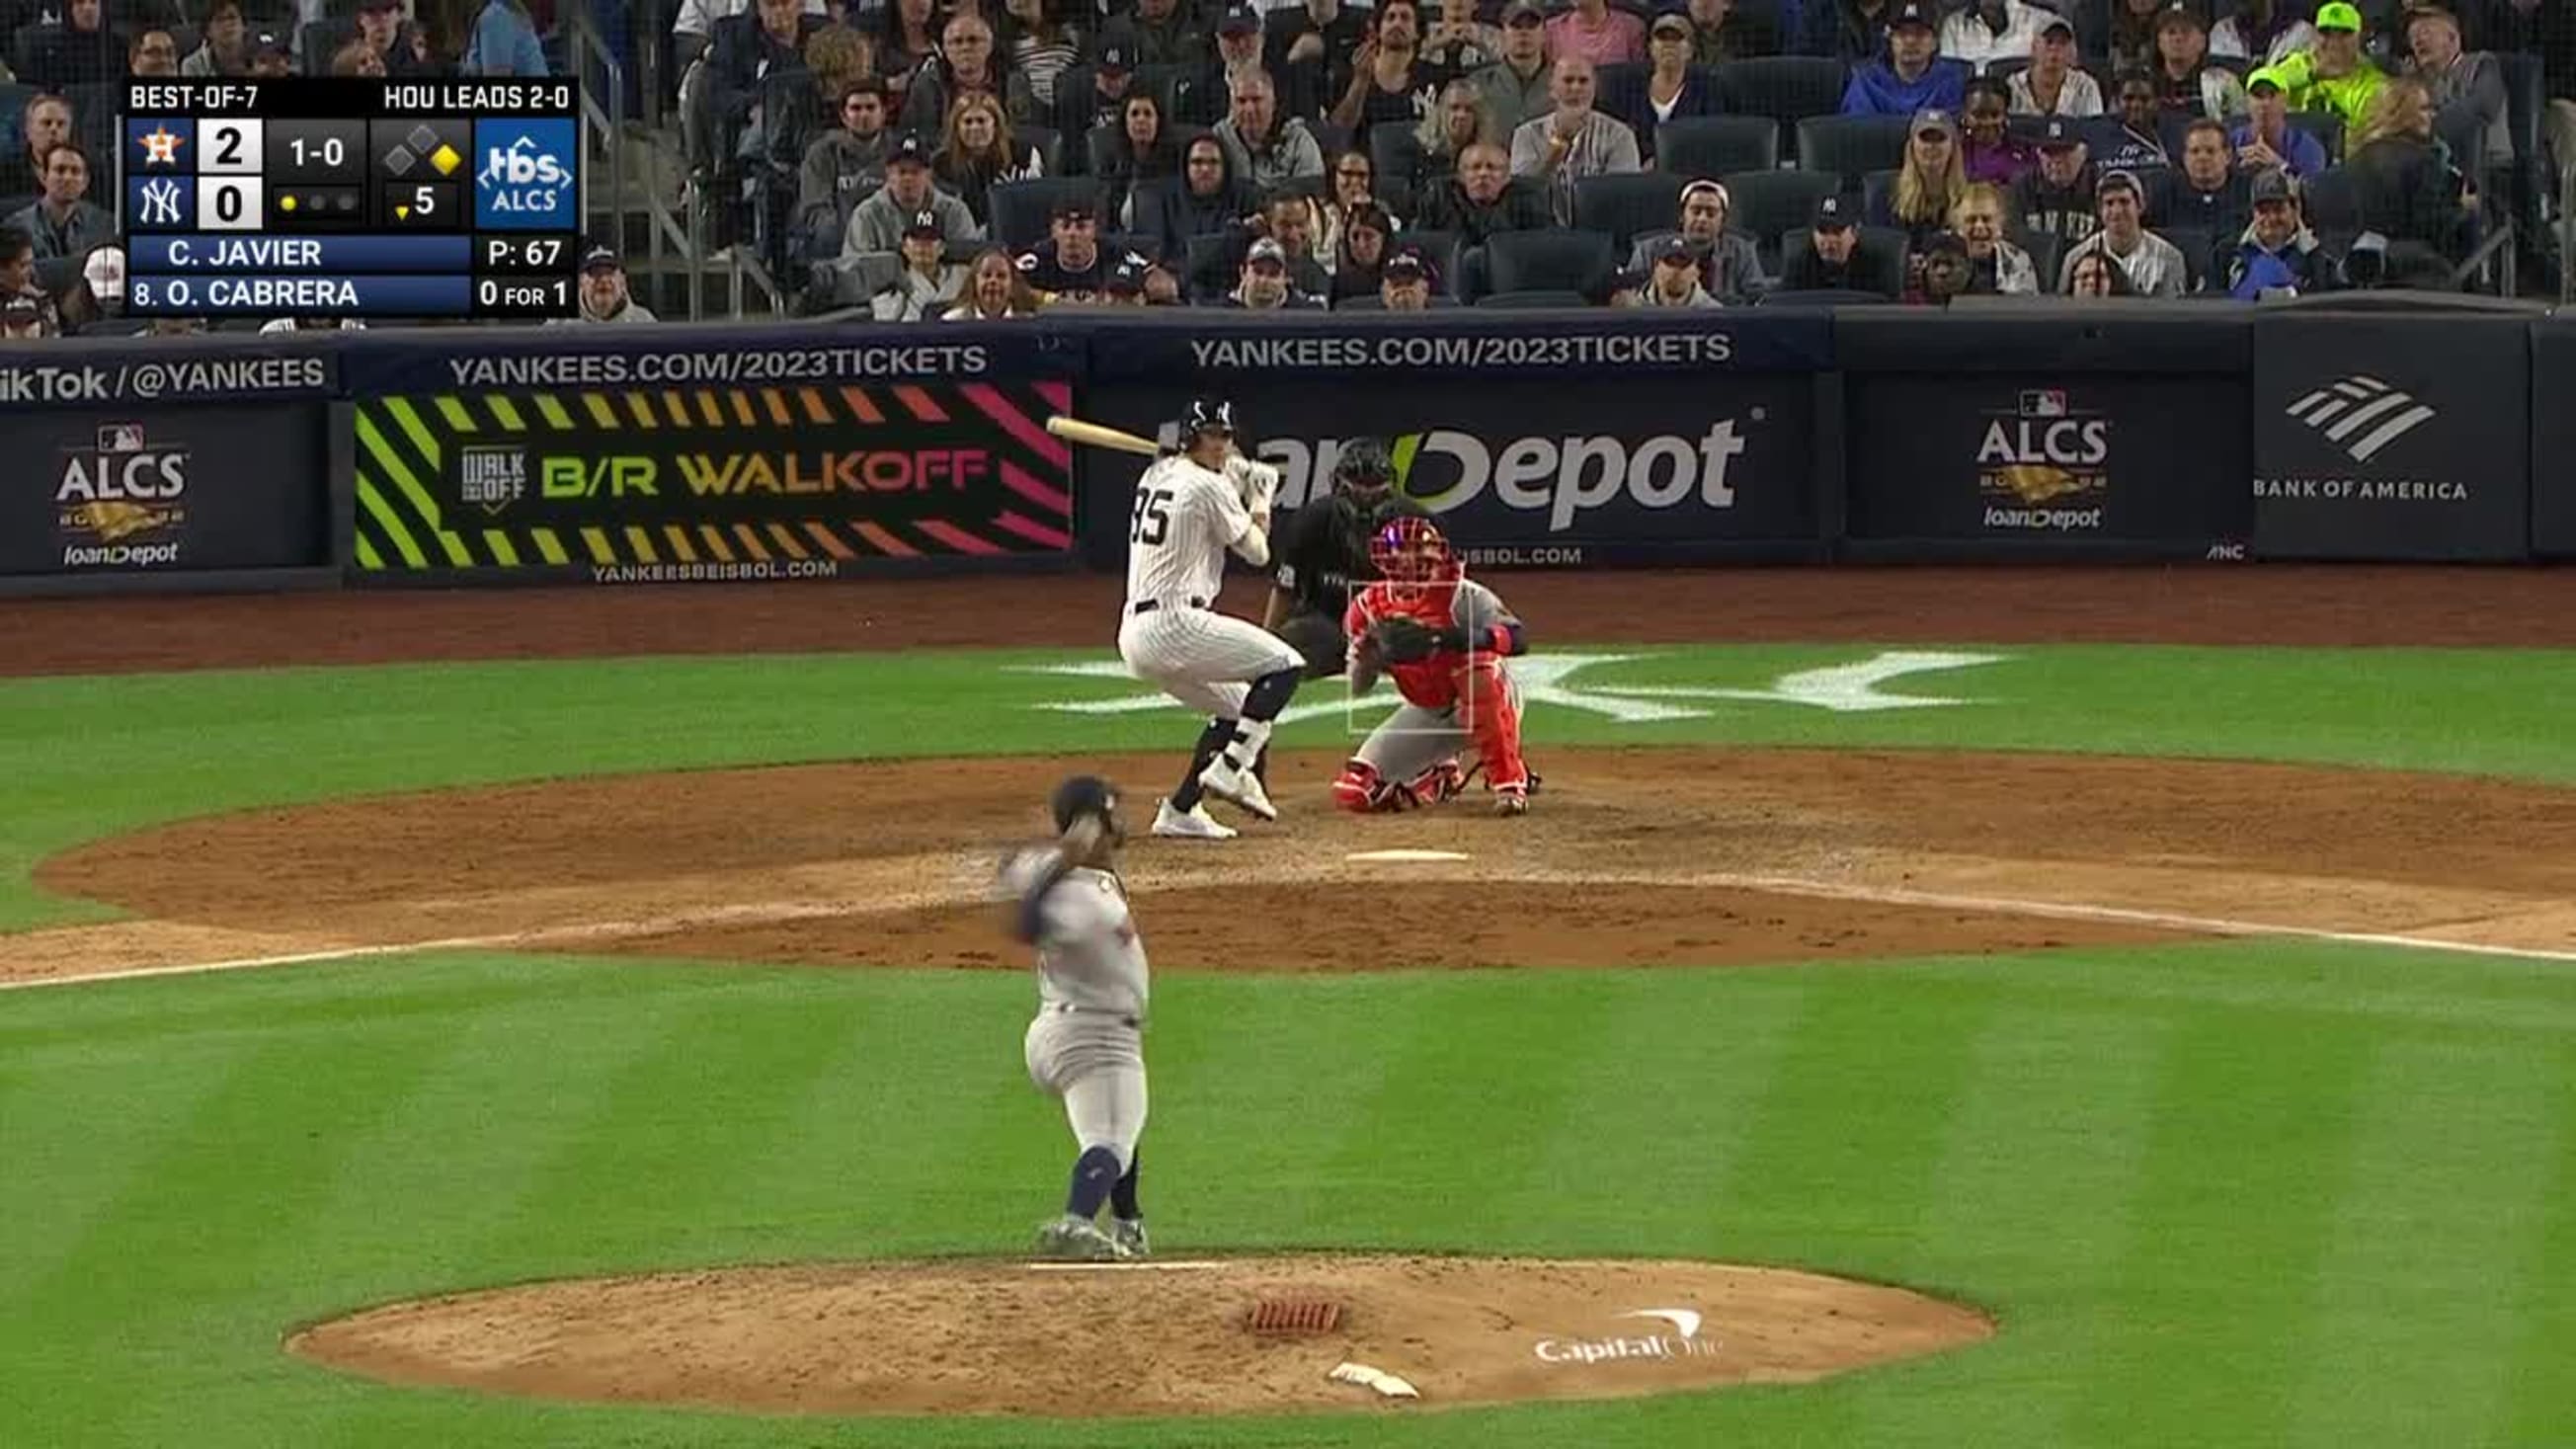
[(1086, 1044)]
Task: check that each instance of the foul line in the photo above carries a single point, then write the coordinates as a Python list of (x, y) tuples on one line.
[(1774, 885)]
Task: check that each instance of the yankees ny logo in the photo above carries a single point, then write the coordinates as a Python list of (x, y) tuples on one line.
[(161, 203)]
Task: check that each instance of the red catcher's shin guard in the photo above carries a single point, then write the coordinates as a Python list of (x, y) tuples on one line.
[(1359, 788), (1485, 707)]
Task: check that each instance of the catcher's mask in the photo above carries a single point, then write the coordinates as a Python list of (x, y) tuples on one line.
[(1412, 556), (1082, 795), (1365, 472)]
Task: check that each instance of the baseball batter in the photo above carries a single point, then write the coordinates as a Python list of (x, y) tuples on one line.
[(1191, 508), (1087, 1044), (1443, 637)]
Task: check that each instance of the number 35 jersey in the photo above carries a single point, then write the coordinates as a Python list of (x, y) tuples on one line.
[(1183, 519)]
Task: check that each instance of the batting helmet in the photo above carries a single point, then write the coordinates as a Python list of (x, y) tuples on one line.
[(1207, 415), (1081, 795)]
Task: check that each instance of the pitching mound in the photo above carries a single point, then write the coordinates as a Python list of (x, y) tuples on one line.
[(1158, 1339)]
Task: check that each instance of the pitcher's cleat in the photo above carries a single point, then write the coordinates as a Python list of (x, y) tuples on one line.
[(1070, 1239), (1129, 1235)]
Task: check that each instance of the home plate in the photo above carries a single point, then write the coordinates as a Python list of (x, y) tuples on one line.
[(1182, 1265), (1405, 855)]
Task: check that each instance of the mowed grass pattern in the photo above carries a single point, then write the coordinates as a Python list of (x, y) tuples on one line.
[(2244, 1193)]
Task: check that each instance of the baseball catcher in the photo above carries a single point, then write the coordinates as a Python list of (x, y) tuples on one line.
[(1324, 550), (1443, 637)]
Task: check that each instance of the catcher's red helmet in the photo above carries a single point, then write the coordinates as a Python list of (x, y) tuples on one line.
[(1412, 555)]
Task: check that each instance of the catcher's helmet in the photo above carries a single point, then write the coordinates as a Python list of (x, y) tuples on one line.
[(1207, 415), (1410, 553), (1364, 469), (1081, 795)]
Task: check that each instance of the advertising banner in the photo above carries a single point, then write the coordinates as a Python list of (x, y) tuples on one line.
[(2553, 438), (2392, 436), (136, 490), (2066, 462), (1677, 453), (708, 483)]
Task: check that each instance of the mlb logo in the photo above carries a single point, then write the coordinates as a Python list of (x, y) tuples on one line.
[(120, 438), (2044, 402)]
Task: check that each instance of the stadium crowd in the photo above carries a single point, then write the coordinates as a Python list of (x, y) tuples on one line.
[(911, 159)]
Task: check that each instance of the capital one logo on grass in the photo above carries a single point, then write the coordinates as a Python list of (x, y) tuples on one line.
[(1683, 1341)]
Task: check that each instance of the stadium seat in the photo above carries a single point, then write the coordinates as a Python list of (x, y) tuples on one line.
[(2195, 243), (1624, 205), (1542, 299), (2326, 126), (13, 114), (1787, 88), (1099, 146), (1878, 196), (1852, 145), (1822, 299), (1044, 141), (2332, 204), (1394, 151), (1021, 208), (1768, 203), (1549, 261), (1695, 146)]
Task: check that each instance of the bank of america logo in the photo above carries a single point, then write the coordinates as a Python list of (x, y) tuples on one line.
[(2361, 415)]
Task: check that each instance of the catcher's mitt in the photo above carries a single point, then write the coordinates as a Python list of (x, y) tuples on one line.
[(1407, 641)]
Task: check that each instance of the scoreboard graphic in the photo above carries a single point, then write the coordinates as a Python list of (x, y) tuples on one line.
[(342, 197)]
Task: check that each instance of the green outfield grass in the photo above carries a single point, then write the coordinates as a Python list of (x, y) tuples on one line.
[(2226, 1194), (2251, 1193)]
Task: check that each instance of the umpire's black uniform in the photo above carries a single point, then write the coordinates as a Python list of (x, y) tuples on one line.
[(1322, 555)]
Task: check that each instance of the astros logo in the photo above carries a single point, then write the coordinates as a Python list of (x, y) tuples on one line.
[(161, 147)]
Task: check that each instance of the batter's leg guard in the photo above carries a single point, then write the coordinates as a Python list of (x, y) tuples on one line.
[(1485, 707)]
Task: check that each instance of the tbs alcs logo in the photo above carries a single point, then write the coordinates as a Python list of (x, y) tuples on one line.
[(526, 179)]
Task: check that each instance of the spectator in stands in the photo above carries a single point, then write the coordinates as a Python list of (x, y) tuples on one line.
[(1266, 151), (2155, 267), (62, 223), (1946, 271), (927, 286), (1722, 30), (2205, 192), (2138, 142), (1360, 251), (2131, 42), (876, 224), (399, 45), (1206, 201), (2546, 28), (224, 51), (2465, 83), (693, 27), (22, 319), (1995, 266), (1851, 31), (1458, 42), (1985, 31), (1206, 98), (1730, 267), (174, 327), (1392, 83), (98, 293), (978, 153), (1126, 286), (1910, 77), (751, 46), (1927, 185), (1042, 45), (1827, 258), (1290, 221), (272, 57), (1354, 188), (1102, 103), (1265, 286), (1596, 32), (1163, 33), (84, 51), (1446, 134), (504, 43), (2057, 199), (1404, 283), (155, 53), (1483, 200), (844, 166), (2052, 85), (995, 291), (357, 58), (1146, 153), (18, 266), (605, 297), (1516, 90), (1319, 39), (2407, 184), (908, 40), (2276, 254), (967, 62), (1673, 85), (1988, 149), (2094, 274), (2186, 83), (2334, 76), (2261, 32), (1071, 265), (1573, 141), (2267, 140), (46, 123), (1669, 281)]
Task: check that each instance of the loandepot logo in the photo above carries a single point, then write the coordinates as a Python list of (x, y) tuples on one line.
[(1683, 1342), (2361, 415), (1549, 679)]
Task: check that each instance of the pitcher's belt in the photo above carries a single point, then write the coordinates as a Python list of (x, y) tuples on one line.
[(1122, 1018)]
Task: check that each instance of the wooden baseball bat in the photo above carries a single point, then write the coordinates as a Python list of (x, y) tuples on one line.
[(1095, 435)]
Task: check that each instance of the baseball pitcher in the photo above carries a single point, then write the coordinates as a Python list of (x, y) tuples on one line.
[(1087, 1044), (1443, 637), (1191, 508)]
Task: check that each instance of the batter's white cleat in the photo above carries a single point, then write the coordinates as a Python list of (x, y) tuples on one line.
[(1191, 824), (1239, 788), (1070, 1239), (1129, 1235)]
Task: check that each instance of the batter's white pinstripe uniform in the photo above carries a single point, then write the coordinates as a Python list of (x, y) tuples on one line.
[(1185, 519)]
